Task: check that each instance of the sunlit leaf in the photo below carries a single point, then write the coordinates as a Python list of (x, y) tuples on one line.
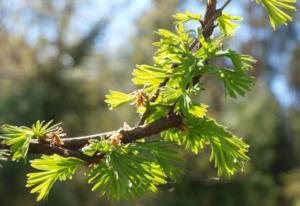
[(148, 75), (227, 151), (277, 11), (18, 138), (225, 22), (116, 99), (186, 16), (53, 168)]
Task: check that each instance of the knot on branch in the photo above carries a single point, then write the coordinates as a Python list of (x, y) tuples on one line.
[(53, 137), (115, 138), (141, 99)]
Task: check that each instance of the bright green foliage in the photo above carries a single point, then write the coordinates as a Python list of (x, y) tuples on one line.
[(130, 170), (225, 22), (19, 146), (176, 60), (156, 112), (241, 62), (149, 75), (116, 99), (235, 82), (186, 16), (277, 11), (227, 151), (20, 137), (52, 168), (39, 129), (198, 110)]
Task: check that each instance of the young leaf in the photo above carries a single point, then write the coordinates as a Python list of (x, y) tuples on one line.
[(116, 99), (40, 128), (19, 147), (235, 82), (19, 137), (241, 62), (148, 75), (164, 156), (227, 151), (18, 140), (52, 168), (186, 16), (225, 23), (277, 11), (125, 175), (156, 112), (131, 170), (198, 110)]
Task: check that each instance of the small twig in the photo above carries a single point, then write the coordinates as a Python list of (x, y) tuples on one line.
[(225, 5)]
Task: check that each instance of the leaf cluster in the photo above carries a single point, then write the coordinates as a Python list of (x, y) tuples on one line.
[(277, 11), (18, 138), (53, 168), (131, 170), (181, 64)]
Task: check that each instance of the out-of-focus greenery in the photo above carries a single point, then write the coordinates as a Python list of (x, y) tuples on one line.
[(67, 80)]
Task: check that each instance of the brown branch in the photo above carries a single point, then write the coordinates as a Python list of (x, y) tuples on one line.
[(72, 146), (42, 148)]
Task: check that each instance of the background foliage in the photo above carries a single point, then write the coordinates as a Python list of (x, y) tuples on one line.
[(54, 67)]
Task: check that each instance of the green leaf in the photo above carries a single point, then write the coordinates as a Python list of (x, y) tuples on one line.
[(226, 25), (19, 146), (148, 75), (116, 99), (241, 62), (235, 82), (277, 11), (94, 146), (198, 110), (209, 47), (52, 168), (227, 151), (186, 16), (183, 104), (169, 95), (40, 128), (156, 112), (131, 170), (161, 152), (18, 138), (124, 175)]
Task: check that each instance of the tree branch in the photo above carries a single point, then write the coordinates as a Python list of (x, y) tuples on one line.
[(72, 146), (42, 148)]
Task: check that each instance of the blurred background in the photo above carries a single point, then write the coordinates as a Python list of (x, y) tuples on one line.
[(59, 58)]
